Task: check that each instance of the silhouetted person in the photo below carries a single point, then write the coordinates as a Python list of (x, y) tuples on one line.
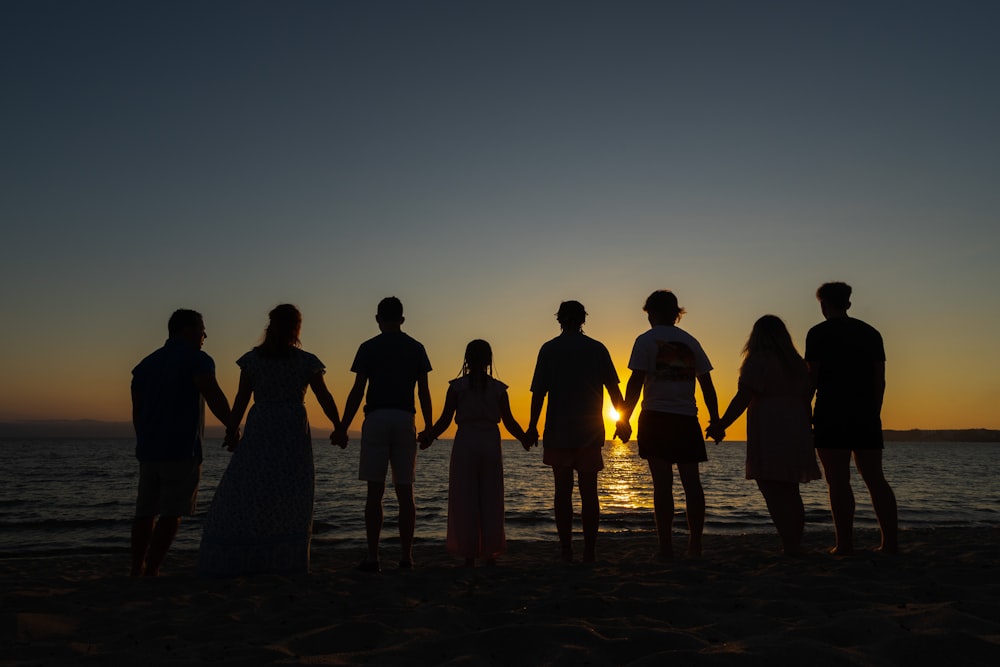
[(573, 370), (775, 390), (390, 365), (666, 361), (846, 359), (261, 517), (478, 402), (169, 390)]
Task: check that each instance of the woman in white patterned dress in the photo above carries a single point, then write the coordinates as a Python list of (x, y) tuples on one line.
[(261, 516)]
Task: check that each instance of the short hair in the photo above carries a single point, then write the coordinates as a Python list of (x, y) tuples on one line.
[(837, 295), (663, 304), (571, 314), (182, 319), (390, 309)]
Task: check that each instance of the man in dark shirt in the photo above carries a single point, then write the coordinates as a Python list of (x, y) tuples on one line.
[(573, 370), (169, 390), (846, 359), (390, 365)]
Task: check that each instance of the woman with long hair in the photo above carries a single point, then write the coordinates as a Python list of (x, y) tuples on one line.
[(261, 516), (775, 391)]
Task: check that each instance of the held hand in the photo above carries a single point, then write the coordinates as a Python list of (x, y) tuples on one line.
[(623, 431), (425, 439), (232, 440), (715, 432), (339, 438), (530, 438)]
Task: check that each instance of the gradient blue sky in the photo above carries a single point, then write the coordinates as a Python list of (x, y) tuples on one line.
[(483, 162)]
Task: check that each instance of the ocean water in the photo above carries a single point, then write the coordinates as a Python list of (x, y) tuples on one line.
[(77, 495)]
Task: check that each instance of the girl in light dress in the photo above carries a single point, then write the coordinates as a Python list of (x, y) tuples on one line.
[(477, 402), (775, 390)]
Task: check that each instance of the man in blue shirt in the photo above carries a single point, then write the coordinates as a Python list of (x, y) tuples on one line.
[(170, 388)]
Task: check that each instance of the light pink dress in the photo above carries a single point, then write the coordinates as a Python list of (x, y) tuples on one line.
[(475, 477), (779, 434)]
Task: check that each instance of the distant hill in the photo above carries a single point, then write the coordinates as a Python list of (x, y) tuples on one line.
[(99, 430), (946, 435)]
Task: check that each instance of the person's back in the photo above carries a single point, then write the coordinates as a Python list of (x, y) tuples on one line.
[(847, 350), (169, 422), (573, 370), (393, 363)]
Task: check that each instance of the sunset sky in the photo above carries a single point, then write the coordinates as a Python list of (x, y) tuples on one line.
[(485, 161)]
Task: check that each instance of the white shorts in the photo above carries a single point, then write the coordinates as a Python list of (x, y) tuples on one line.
[(388, 437)]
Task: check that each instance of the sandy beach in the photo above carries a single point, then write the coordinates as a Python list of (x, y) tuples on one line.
[(739, 604)]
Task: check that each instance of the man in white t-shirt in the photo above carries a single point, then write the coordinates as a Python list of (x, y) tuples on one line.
[(665, 363)]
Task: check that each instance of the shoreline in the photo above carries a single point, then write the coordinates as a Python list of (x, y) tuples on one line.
[(741, 603)]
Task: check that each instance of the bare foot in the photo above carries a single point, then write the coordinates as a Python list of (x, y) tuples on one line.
[(841, 551)]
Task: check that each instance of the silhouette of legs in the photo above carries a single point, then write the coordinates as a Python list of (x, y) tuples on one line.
[(837, 471), (407, 522), (695, 499), (590, 511), (150, 541), (869, 463), (563, 503), (374, 518), (663, 504), (784, 503)]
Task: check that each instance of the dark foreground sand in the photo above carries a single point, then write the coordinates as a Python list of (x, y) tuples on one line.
[(938, 603)]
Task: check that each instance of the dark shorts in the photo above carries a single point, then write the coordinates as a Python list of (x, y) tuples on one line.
[(671, 438), (581, 459), (168, 488), (848, 435)]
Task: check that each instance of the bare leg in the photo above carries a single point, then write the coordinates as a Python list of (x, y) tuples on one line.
[(695, 495), (837, 470), (142, 533), (784, 503), (563, 502), (373, 518), (590, 512), (407, 521), (162, 538), (663, 504), (869, 463)]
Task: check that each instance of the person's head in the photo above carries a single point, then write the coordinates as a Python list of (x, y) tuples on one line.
[(187, 325), (389, 313), (834, 298), (478, 358), (283, 328), (661, 307), (770, 336), (571, 315)]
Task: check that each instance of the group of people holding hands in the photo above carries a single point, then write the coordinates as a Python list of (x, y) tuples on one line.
[(260, 519)]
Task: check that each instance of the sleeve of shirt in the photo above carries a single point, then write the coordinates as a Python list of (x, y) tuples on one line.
[(610, 374), (360, 364), (752, 376), (638, 360), (539, 380), (204, 365)]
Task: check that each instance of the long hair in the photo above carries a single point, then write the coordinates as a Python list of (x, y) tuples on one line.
[(478, 364), (770, 338), (282, 333)]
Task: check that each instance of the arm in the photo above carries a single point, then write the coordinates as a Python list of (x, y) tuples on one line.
[(711, 399), (633, 390), (219, 405), (354, 398), (430, 434), (325, 398), (717, 430), (508, 420), (136, 407), (623, 430), (531, 433), (240, 403), (424, 398), (879, 385)]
